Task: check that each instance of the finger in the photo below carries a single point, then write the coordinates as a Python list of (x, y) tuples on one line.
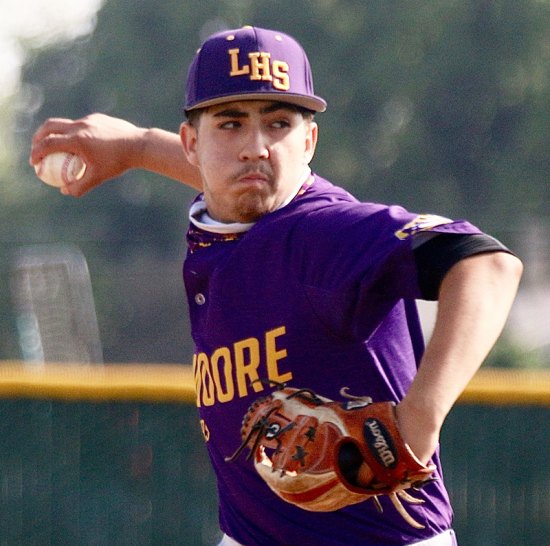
[(52, 125), (365, 475), (55, 135), (74, 189), (90, 180), (78, 188), (48, 144)]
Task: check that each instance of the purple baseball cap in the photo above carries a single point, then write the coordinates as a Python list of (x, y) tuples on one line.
[(251, 63)]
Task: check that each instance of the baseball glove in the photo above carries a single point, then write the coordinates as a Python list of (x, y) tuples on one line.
[(323, 455)]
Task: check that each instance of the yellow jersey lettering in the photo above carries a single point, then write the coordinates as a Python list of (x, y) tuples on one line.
[(235, 370), (236, 70), (247, 370), (208, 394), (273, 355), (260, 67), (205, 430), (197, 378), (281, 79), (224, 355)]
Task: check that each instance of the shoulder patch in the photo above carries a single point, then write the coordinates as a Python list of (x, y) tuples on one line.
[(423, 222)]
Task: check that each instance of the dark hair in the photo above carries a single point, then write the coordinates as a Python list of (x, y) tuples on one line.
[(193, 116)]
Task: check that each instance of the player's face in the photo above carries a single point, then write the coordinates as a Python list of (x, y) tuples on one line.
[(251, 155)]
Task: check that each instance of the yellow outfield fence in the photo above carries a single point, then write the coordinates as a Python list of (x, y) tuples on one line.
[(98, 382), (174, 383)]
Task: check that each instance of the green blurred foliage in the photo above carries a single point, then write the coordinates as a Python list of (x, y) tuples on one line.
[(439, 105), (506, 354)]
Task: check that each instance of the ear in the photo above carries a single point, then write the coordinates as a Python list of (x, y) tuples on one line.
[(311, 141), (188, 137)]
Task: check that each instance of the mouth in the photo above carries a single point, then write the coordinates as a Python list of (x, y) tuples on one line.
[(256, 176)]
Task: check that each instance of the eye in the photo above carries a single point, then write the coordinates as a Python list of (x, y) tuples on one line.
[(280, 124), (231, 124)]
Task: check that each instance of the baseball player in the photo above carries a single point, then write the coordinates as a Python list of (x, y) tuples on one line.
[(291, 281)]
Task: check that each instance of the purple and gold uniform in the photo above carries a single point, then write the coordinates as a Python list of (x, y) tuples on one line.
[(319, 293)]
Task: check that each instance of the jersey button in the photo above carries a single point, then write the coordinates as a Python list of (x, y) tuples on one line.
[(200, 299)]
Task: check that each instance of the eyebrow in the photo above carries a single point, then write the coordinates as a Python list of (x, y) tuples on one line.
[(230, 113), (237, 113)]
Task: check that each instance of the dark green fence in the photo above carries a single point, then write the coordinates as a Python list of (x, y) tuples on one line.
[(123, 474)]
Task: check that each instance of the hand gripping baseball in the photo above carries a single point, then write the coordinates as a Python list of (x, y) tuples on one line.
[(323, 455)]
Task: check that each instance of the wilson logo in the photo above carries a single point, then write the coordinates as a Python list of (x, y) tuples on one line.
[(380, 443)]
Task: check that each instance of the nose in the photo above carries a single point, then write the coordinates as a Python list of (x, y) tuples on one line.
[(254, 146)]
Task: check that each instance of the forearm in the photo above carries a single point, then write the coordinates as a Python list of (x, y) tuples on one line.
[(475, 298), (162, 153)]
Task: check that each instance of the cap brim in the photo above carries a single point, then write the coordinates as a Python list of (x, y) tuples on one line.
[(314, 103)]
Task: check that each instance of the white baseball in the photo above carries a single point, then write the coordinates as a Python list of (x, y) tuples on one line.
[(60, 168)]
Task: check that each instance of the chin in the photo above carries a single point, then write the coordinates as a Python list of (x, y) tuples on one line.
[(249, 217), (252, 209)]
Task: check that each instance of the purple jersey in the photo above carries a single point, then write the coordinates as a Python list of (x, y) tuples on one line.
[(319, 294)]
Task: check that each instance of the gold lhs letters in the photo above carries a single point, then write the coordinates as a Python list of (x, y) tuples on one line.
[(261, 67)]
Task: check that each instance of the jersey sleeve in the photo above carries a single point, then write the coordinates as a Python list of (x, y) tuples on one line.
[(361, 258), (370, 246), (435, 257)]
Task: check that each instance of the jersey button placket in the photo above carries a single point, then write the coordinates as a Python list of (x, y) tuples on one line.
[(200, 299)]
